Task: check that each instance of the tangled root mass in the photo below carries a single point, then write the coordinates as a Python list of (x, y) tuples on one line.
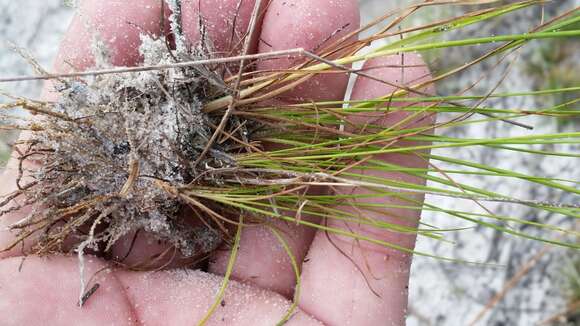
[(113, 140)]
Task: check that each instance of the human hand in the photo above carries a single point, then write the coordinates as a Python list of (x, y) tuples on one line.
[(343, 281)]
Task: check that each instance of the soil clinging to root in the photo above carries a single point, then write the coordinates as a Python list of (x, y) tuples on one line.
[(111, 143)]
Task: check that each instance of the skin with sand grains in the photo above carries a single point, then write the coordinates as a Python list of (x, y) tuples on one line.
[(44, 291)]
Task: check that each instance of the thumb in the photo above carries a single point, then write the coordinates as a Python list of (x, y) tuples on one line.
[(347, 281)]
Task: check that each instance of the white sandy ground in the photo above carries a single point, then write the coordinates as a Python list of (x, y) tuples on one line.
[(441, 293)]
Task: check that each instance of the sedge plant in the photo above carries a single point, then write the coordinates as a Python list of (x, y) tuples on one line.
[(221, 154)]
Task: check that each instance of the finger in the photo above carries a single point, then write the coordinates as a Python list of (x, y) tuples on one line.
[(351, 282), (311, 25), (45, 291), (225, 23), (118, 24), (183, 297), (262, 259), (141, 250)]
